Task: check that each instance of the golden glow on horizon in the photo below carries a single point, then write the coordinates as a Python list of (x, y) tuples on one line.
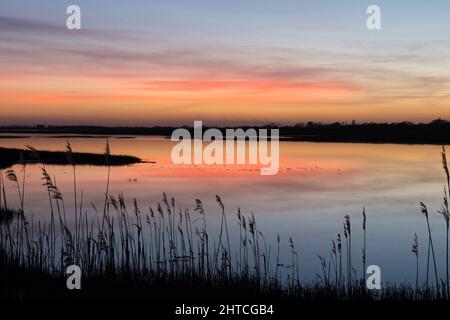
[(134, 99)]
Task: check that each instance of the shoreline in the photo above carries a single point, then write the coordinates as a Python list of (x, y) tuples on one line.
[(429, 140), (436, 132)]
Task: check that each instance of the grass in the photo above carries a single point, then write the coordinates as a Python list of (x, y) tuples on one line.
[(8, 215), (167, 251)]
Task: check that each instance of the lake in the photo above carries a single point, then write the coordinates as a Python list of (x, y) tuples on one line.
[(317, 185)]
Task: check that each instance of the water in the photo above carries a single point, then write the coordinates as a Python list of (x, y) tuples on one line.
[(318, 184)]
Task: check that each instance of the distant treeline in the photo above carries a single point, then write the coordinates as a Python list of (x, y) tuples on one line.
[(434, 132)]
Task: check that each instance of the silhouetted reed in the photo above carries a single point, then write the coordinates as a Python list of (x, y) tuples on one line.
[(364, 240), (424, 210), (415, 250), (446, 215)]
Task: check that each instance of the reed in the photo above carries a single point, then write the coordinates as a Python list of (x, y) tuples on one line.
[(415, 250), (424, 210), (364, 241), (24, 166), (348, 236), (339, 248), (446, 215), (335, 262), (11, 176), (107, 154)]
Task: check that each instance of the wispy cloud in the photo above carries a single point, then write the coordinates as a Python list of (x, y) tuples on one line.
[(46, 67)]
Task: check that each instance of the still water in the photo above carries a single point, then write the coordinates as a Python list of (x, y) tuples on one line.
[(317, 185)]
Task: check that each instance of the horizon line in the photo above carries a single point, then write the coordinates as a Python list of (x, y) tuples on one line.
[(269, 124)]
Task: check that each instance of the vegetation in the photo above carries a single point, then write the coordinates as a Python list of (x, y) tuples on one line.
[(169, 252), (10, 157)]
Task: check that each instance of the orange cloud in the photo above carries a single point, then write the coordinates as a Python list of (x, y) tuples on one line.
[(203, 85)]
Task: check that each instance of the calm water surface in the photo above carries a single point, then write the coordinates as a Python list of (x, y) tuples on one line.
[(318, 184)]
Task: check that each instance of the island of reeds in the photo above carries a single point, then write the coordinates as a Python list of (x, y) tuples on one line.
[(168, 253)]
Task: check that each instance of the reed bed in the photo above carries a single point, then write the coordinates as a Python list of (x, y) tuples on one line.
[(170, 244)]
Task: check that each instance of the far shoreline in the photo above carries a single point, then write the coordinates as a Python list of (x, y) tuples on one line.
[(436, 132)]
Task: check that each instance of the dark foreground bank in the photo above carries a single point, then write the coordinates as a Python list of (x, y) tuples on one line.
[(10, 157)]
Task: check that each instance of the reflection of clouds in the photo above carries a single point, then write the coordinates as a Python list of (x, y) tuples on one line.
[(388, 180)]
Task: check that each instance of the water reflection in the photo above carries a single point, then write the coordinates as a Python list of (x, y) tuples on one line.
[(317, 185)]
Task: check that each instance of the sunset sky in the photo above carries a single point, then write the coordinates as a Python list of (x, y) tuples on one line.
[(223, 62)]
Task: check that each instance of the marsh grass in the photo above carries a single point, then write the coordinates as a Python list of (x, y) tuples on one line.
[(166, 244)]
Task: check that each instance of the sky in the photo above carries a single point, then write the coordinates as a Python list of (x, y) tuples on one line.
[(167, 62)]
